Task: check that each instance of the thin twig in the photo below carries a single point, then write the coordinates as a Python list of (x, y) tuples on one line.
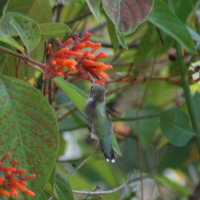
[(79, 18), (137, 118), (116, 189), (62, 105), (29, 61), (67, 114)]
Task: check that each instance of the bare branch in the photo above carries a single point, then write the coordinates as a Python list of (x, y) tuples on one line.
[(116, 189), (29, 61)]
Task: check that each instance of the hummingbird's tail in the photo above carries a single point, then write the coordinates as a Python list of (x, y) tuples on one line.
[(109, 154)]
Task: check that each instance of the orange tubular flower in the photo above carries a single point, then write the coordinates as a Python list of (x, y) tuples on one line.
[(12, 180), (76, 58)]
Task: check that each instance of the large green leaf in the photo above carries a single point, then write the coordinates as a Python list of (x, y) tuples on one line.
[(9, 40), (28, 130), (94, 6), (27, 29), (175, 126), (165, 19), (2, 6), (62, 188), (54, 29), (79, 98), (38, 10), (127, 14)]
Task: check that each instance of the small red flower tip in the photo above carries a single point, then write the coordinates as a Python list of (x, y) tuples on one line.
[(5, 193), (13, 191), (86, 36), (100, 55), (80, 46), (4, 157), (103, 76), (17, 184), (23, 183), (14, 163), (72, 68), (69, 41), (20, 171), (29, 192), (58, 73), (29, 177), (2, 179), (90, 56), (7, 169), (60, 52), (50, 51), (75, 53)]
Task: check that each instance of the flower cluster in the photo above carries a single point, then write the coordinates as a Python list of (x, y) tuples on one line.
[(12, 180), (75, 57)]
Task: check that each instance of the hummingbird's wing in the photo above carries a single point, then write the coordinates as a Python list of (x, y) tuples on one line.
[(103, 128), (90, 113)]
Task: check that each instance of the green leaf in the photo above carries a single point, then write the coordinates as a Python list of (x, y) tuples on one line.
[(9, 40), (115, 145), (175, 126), (2, 6), (28, 130), (166, 20), (38, 10), (112, 34), (79, 98), (54, 29), (127, 14), (94, 6), (44, 196), (27, 29), (121, 40), (195, 36), (62, 188), (174, 157)]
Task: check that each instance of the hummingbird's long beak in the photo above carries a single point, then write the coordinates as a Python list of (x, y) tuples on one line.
[(91, 79)]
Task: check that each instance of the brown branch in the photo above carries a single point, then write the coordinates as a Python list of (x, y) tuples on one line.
[(137, 118), (67, 114), (29, 61), (116, 189), (79, 18)]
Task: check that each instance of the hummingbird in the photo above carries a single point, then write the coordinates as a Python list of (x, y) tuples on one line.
[(98, 121)]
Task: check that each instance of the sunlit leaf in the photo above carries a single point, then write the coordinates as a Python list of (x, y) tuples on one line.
[(165, 19)]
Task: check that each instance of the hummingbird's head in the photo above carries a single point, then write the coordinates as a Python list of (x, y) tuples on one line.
[(97, 92)]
